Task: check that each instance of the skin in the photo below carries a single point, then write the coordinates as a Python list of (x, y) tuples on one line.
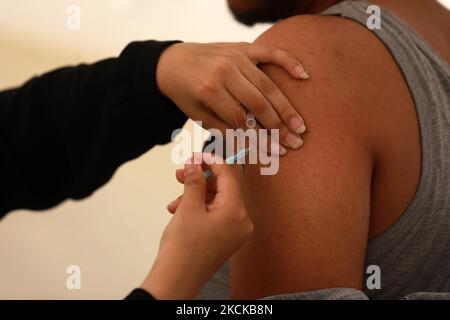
[(250, 12), (219, 83), (210, 223), (426, 16), (359, 168), (356, 176)]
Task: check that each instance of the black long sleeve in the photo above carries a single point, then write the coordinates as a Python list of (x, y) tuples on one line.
[(140, 294), (64, 134)]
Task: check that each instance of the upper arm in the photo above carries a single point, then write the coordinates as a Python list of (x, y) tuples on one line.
[(312, 218)]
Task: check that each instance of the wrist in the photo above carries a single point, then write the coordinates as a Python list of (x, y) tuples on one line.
[(165, 68), (172, 278)]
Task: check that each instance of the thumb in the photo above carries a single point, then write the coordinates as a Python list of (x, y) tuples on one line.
[(194, 194)]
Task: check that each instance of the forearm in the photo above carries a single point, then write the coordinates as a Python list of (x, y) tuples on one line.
[(140, 294), (176, 275), (64, 134)]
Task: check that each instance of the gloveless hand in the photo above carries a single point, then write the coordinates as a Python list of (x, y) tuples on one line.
[(210, 223), (219, 83)]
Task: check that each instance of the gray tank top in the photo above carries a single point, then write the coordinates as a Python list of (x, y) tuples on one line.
[(414, 253)]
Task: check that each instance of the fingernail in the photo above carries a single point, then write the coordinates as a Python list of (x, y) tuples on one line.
[(301, 72), (277, 149), (304, 76), (293, 141), (297, 124), (302, 129)]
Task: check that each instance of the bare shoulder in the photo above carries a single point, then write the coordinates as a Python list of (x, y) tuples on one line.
[(312, 218), (357, 93), (352, 74), (335, 42)]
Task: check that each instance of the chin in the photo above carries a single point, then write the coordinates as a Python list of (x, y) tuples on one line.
[(246, 6), (250, 12)]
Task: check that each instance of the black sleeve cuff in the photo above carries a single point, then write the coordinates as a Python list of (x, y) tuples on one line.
[(140, 294)]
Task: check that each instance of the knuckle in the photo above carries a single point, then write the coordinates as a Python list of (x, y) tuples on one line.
[(266, 85), (234, 51), (241, 214), (240, 118), (244, 222), (242, 44), (208, 86), (280, 54), (267, 51), (195, 180), (277, 124), (248, 227), (286, 111), (223, 65), (283, 134), (259, 107)]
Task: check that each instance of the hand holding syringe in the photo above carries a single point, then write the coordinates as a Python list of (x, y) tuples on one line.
[(210, 223)]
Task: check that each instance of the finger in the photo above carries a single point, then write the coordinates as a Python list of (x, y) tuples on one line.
[(263, 54), (257, 92), (211, 120), (235, 115), (179, 174), (274, 96), (211, 182), (227, 108), (172, 207), (244, 91), (228, 112), (194, 194), (203, 114), (228, 176)]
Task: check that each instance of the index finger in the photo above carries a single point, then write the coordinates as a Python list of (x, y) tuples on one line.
[(259, 53), (228, 176)]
